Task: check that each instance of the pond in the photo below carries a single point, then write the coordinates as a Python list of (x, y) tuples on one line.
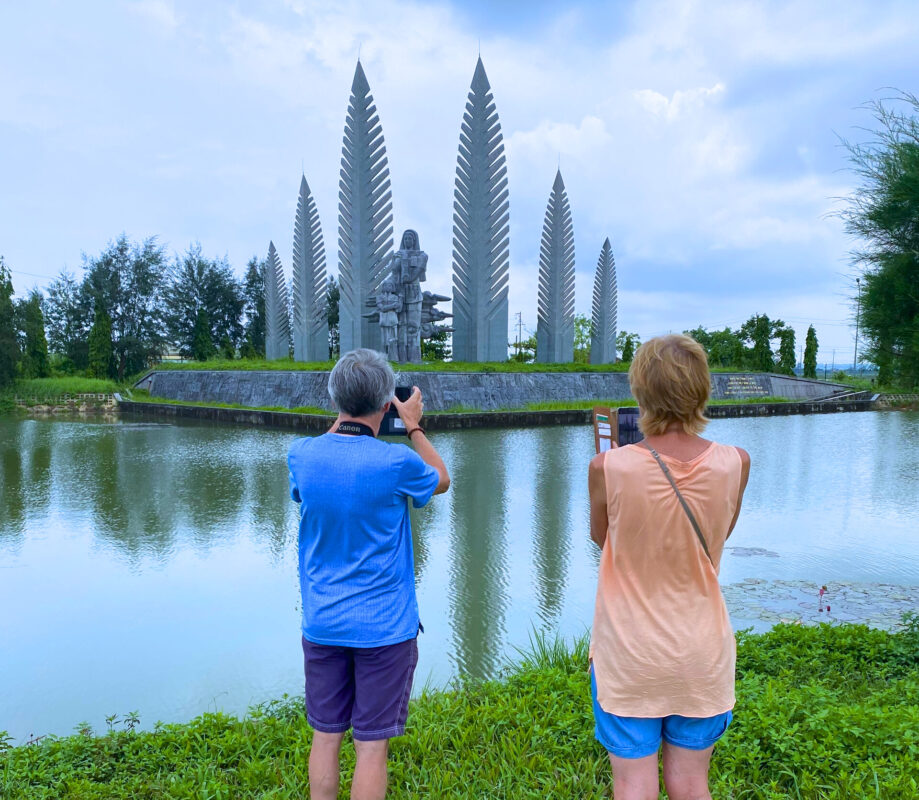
[(152, 567)]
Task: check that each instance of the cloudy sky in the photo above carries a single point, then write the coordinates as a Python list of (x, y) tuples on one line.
[(702, 137)]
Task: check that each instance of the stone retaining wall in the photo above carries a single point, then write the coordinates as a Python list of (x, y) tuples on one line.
[(482, 391), (437, 422), (901, 400)]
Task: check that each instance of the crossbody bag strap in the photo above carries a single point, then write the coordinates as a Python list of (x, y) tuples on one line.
[(686, 508)]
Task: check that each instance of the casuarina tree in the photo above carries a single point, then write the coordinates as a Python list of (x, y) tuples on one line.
[(202, 347), (34, 363), (627, 343), (9, 347), (884, 213), (787, 360), (100, 346), (810, 353)]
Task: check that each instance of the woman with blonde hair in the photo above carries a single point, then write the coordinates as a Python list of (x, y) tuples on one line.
[(662, 648)]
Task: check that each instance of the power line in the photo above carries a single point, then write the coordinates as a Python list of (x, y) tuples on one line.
[(30, 274)]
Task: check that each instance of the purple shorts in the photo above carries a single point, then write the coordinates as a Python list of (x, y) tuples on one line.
[(366, 688)]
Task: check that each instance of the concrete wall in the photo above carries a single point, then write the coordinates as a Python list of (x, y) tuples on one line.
[(315, 423), (484, 391)]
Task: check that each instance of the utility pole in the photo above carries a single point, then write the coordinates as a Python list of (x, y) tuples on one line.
[(519, 327), (858, 313)]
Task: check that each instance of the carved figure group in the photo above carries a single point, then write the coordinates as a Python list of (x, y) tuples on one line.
[(405, 314)]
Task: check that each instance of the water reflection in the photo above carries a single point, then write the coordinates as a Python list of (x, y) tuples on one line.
[(551, 521), (189, 529), (478, 569), (13, 487)]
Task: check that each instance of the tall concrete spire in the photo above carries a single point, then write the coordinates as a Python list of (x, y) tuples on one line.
[(277, 303), (603, 319), (480, 231), (555, 322), (310, 284), (364, 215)]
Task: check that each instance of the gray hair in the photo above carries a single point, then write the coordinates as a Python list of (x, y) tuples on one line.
[(362, 382)]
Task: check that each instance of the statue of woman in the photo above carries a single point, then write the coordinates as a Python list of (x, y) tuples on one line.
[(389, 304), (409, 268)]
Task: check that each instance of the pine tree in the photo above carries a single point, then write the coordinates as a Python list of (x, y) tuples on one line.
[(787, 360), (254, 293), (202, 347), (9, 348), (101, 361), (333, 297), (810, 353), (627, 343), (34, 362)]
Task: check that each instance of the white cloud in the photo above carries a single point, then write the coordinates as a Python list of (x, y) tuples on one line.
[(699, 137), (162, 12), (679, 103)]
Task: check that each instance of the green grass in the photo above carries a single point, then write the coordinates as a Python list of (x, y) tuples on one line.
[(828, 712), (142, 395), (39, 391), (566, 405)]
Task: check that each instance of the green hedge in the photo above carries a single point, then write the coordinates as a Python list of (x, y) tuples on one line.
[(825, 712)]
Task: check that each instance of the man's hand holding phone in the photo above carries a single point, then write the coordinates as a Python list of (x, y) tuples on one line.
[(411, 410)]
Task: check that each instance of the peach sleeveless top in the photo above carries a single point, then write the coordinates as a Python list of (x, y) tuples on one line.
[(662, 641)]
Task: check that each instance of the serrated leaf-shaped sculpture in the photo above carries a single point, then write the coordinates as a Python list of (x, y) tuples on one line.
[(603, 318), (480, 231), (277, 323), (555, 321), (310, 283), (364, 217)]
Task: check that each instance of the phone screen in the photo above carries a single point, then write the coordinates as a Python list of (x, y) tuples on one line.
[(627, 426)]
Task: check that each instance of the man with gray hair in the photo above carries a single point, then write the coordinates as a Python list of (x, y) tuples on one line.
[(357, 580)]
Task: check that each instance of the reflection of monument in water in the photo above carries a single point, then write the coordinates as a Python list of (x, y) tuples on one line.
[(478, 572), (551, 523), (381, 303)]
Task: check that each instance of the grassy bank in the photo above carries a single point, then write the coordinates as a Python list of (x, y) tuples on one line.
[(825, 712), (42, 391)]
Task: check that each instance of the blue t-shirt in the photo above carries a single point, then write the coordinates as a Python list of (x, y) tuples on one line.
[(357, 576)]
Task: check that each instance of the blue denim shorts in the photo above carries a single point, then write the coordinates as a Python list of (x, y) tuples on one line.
[(637, 737)]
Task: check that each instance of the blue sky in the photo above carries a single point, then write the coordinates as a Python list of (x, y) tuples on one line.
[(701, 137)]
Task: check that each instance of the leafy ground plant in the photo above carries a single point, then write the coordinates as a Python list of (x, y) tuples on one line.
[(829, 712)]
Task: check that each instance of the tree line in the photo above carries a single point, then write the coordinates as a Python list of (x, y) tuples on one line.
[(132, 305), (760, 344)]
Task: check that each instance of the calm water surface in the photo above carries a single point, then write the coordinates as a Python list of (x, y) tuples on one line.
[(153, 567)]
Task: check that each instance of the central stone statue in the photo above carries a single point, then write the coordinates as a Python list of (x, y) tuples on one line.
[(409, 268), (406, 315)]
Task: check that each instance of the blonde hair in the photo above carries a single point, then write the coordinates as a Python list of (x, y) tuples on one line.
[(670, 380)]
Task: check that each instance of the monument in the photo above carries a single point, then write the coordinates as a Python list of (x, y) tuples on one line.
[(310, 284), (555, 308), (277, 303), (403, 312), (603, 318), (365, 218), (480, 231)]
